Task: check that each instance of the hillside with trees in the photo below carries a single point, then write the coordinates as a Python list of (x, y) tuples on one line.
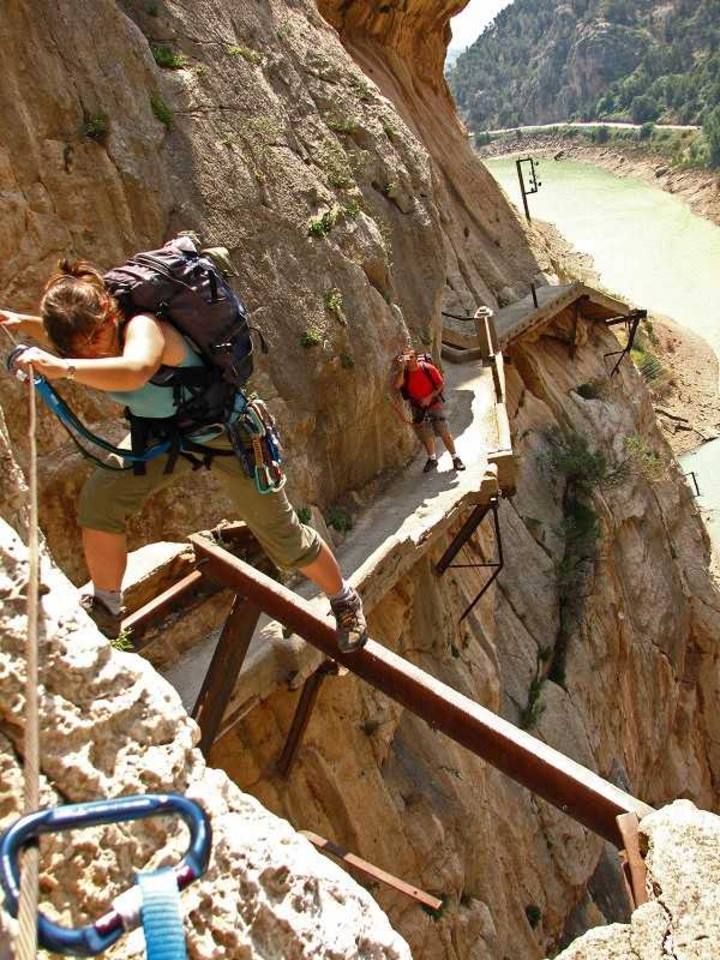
[(639, 60)]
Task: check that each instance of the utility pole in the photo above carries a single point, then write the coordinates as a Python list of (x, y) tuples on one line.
[(533, 183)]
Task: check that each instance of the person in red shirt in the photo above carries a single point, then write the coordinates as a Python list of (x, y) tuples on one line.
[(421, 384)]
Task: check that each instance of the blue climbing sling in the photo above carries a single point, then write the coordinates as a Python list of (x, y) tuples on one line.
[(154, 901)]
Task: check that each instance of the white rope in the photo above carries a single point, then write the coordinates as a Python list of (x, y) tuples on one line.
[(27, 917), (7, 333)]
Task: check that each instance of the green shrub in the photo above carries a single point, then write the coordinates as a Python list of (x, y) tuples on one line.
[(339, 519), (304, 514), (310, 338), (643, 460), (346, 361), (352, 208), (651, 369), (166, 57), (571, 456), (646, 131), (601, 135), (96, 126), (252, 56), (333, 301), (161, 110), (122, 641), (534, 708), (321, 225), (596, 389)]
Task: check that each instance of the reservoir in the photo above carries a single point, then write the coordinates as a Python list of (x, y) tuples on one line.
[(648, 248)]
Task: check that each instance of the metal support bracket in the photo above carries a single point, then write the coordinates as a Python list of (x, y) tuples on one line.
[(351, 860), (303, 712), (631, 321), (462, 537), (224, 669), (633, 865)]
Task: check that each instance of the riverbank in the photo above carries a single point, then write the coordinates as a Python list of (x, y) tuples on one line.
[(685, 391), (698, 187)]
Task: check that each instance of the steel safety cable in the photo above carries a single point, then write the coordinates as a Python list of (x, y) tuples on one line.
[(26, 948)]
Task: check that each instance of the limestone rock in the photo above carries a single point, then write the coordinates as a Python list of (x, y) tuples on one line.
[(110, 725)]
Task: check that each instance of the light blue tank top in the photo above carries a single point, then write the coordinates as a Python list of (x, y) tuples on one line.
[(151, 400)]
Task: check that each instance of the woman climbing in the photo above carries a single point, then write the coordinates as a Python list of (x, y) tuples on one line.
[(100, 347)]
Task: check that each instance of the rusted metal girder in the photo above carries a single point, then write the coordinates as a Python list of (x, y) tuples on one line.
[(631, 321), (303, 712), (176, 598), (192, 589), (634, 869), (568, 785), (227, 661), (327, 846), (462, 537)]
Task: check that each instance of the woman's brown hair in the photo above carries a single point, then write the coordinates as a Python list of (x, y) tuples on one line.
[(75, 304)]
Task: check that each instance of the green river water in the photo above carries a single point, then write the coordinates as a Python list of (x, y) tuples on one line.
[(649, 248)]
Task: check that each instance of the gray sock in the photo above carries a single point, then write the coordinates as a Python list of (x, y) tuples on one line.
[(345, 592), (112, 599)]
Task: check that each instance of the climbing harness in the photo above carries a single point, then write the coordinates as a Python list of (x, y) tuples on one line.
[(250, 427), (153, 901)]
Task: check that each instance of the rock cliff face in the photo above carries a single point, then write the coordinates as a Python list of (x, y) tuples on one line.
[(322, 177), (111, 726), (347, 237), (604, 646)]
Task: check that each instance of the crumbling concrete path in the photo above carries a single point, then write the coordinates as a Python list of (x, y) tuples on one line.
[(413, 512)]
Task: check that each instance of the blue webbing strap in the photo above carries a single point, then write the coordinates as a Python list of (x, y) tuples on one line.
[(161, 915)]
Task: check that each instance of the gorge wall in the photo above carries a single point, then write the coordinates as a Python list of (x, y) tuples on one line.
[(267, 130), (625, 684)]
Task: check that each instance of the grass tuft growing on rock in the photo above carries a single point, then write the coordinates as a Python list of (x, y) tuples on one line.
[(167, 58), (162, 111), (96, 126), (252, 56)]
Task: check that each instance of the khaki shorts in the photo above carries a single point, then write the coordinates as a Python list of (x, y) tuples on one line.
[(430, 421), (109, 498)]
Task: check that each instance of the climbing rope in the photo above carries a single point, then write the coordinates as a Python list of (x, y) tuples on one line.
[(27, 916)]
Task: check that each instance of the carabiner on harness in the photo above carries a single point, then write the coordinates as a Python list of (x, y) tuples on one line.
[(251, 420), (95, 937)]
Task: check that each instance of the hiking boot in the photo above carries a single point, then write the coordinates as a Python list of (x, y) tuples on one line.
[(351, 624), (458, 464), (430, 464), (108, 623)]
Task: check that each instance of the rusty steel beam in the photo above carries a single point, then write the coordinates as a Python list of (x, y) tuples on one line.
[(633, 864), (303, 712), (222, 674), (175, 598), (568, 785), (415, 893)]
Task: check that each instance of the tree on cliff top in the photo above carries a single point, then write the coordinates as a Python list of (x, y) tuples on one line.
[(541, 61)]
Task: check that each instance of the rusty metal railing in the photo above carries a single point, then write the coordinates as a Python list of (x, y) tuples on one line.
[(574, 789)]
